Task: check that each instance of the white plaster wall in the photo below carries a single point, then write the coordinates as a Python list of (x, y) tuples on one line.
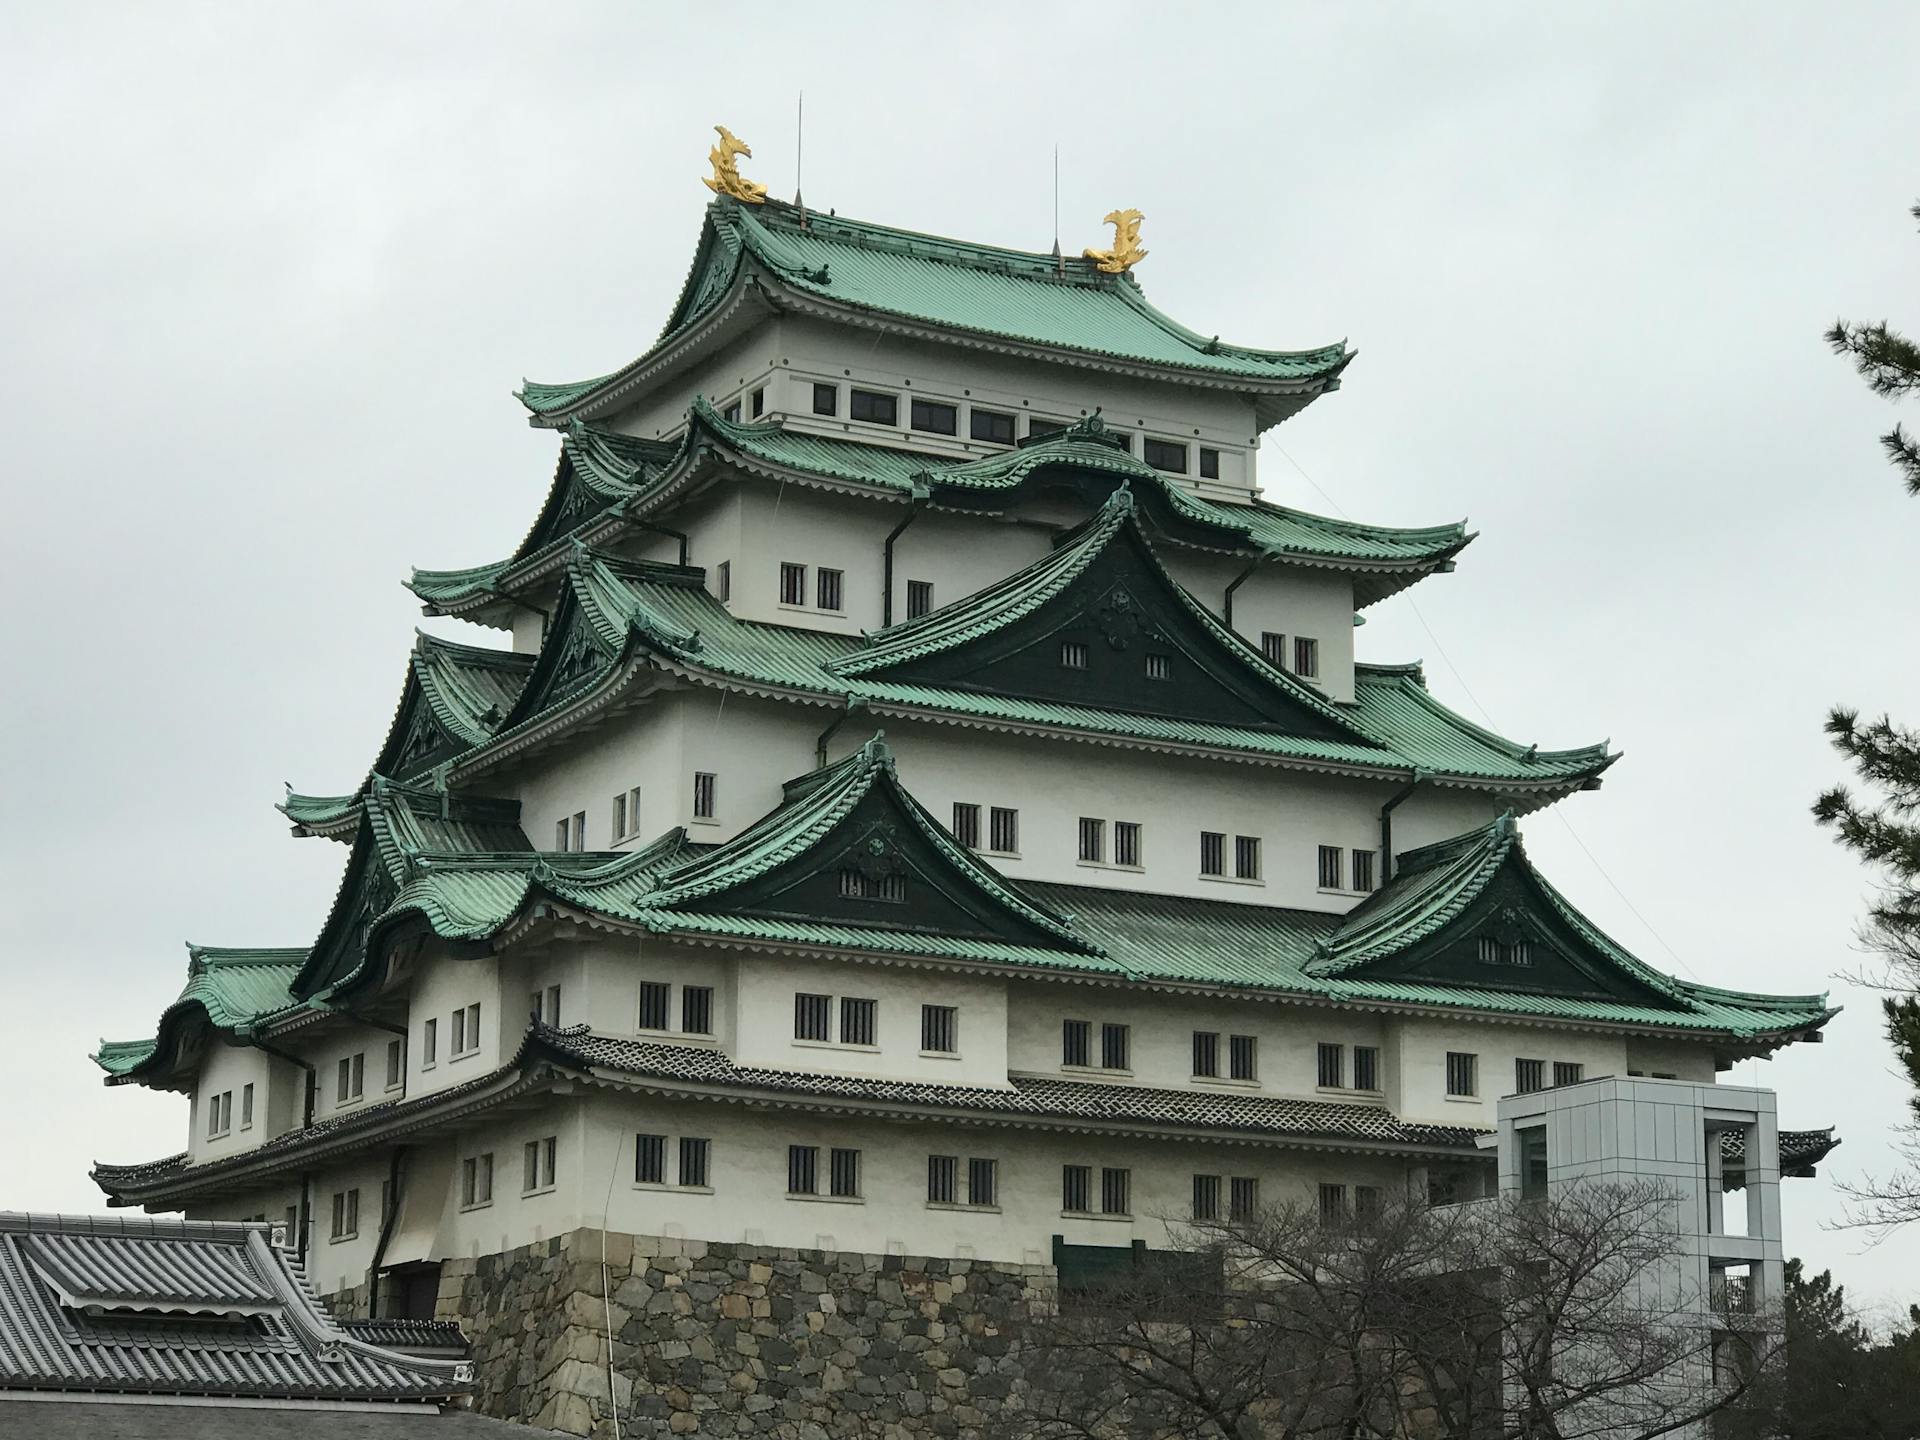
[(808, 527), (1292, 600), (325, 1051), (1421, 1046), (334, 1265), (515, 1217), (639, 746), (960, 554), (443, 983), (234, 1067), (727, 375)]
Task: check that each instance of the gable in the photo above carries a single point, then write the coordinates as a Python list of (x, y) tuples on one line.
[(418, 741), (1119, 616), (366, 891)]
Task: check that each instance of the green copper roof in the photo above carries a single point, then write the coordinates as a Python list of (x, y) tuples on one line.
[(231, 989), (866, 273), (455, 697)]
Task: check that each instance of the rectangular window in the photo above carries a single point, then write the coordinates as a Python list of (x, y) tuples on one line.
[(856, 1021), (810, 1017), (843, 1178), (1367, 1203), (1366, 1067), (1213, 853), (580, 830), (827, 588), (992, 427), (1333, 1204), (429, 1041), (1243, 1197), (1363, 871), (723, 582), (705, 783), (732, 412), (1076, 1040), (1529, 1076), (626, 814), (1115, 1047), (396, 1071), (459, 1033), (246, 1101), (1330, 867), (696, 1009), (1463, 1077), (1159, 667), (655, 996), (876, 407), (983, 1181), (352, 1079), (943, 1179), (1246, 857), (1533, 1163), (1073, 655), (1209, 463), (939, 1029), (1076, 1188), (476, 1181), (1206, 1053), (803, 1169), (1242, 1057), (1003, 831), (1093, 840), (214, 1127), (1306, 657), (826, 399), (1206, 1197), (346, 1214), (966, 825), (919, 598), (695, 1153), (649, 1159), (1038, 429), (1273, 645), (473, 1027), (1167, 455), (1126, 843), (1333, 1066), (1566, 1072), (1116, 1192), (537, 1164), (793, 583), (757, 403), (620, 816), (934, 417)]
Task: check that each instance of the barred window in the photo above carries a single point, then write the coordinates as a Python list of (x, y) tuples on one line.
[(1213, 853), (1076, 1038), (654, 998), (1333, 1204), (704, 785), (1330, 867), (992, 427), (1093, 840), (1165, 455), (1003, 830), (1529, 1076), (1115, 1047), (983, 1181), (1368, 1203), (1568, 1072), (537, 1157), (1242, 1057), (803, 1169), (723, 582), (1126, 843), (695, 1153), (1206, 1052), (858, 885), (810, 1017), (1333, 1066), (757, 403), (827, 588), (1306, 657), (1116, 1192), (1246, 857), (942, 1179), (1206, 1197), (1273, 645), (1076, 1187), (934, 417), (1494, 951), (696, 1009), (1363, 870), (1209, 463), (1366, 1067), (919, 598), (874, 406), (1073, 655), (793, 583), (966, 825), (844, 1173), (1159, 667), (939, 1028), (856, 1021), (476, 1181), (649, 1159), (1243, 1199), (826, 399), (1463, 1077)]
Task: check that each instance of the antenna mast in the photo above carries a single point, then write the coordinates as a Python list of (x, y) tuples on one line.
[(1059, 264), (799, 143)]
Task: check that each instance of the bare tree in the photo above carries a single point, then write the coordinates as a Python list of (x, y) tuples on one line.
[(1566, 1318)]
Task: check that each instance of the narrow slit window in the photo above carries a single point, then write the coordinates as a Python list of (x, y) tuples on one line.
[(580, 830), (723, 582), (731, 413), (396, 1072), (1126, 843), (705, 784), (757, 403), (966, 825), (1213, 849), (1209, 463), (1159, 667), (919, 598), (793, 583), (1093, 840), (246, 1096)]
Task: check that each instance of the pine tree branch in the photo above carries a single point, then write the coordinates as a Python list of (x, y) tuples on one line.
[(1883, 357), (1904, 453)]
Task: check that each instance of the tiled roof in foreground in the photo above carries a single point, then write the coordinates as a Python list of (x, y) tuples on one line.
[(209, 1309)]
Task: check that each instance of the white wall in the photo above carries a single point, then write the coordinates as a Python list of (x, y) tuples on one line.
[(1290, 600), (231, 1068), (443, 983)]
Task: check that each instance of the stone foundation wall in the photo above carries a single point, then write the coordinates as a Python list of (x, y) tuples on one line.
[(738, 1340)]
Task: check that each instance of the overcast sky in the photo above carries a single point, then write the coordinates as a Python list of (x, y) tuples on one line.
[(268, 275)]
